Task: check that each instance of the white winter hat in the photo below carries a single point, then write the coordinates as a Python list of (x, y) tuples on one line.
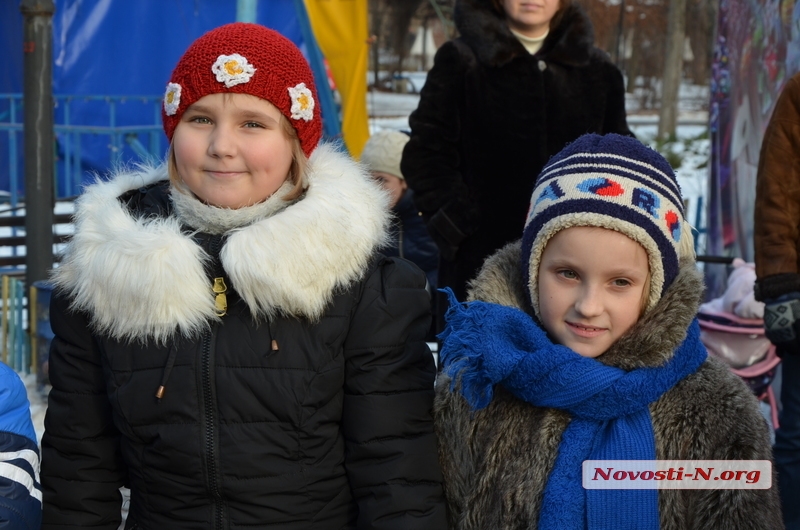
[(383, 152)]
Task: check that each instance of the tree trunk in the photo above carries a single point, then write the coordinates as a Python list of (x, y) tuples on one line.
[(376, 23), (632, 65), (673, 68)]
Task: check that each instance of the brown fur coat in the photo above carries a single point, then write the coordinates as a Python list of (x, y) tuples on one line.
[(496, 461)]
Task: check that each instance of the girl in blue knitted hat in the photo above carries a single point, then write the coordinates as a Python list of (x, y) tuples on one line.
[(580, 345)]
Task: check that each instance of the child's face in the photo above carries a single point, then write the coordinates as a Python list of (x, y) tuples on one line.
[(591, 285), (231, 151), (394, 185)]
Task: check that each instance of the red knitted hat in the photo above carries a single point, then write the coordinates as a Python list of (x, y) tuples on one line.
[(243, 58)]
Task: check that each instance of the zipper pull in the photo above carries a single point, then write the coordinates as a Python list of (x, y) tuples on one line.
[(220, 300)]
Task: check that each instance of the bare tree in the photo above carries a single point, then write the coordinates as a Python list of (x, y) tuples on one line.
[(673, 69), (402, 13), (377, 12)]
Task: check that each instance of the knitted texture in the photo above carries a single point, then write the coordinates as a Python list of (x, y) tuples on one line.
[(612, 182), (242, 58), (383, 152), (486, 344)]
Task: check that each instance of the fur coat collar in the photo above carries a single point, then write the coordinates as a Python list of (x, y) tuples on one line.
[(486, 32), (142, 278)]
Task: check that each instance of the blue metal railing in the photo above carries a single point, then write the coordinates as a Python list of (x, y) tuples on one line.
[(78, 153), (14, 344)]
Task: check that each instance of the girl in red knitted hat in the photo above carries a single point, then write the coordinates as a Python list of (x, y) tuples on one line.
[(228, 343)]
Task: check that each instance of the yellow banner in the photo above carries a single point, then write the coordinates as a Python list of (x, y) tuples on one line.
[(341, 29)]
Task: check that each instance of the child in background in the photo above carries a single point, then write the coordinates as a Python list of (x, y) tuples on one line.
[(587, 328), (229, 344), (409, 237), (20, 491)]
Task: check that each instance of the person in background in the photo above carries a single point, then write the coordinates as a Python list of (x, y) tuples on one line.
[(581, 343), (409, 237), (20, 491), (229, 342), (522, 80), (777, 256)]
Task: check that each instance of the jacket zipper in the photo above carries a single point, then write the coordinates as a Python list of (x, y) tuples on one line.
[(208, 390), (208, 403)]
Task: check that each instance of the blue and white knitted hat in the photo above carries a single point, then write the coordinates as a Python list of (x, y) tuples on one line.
[(612, 182)]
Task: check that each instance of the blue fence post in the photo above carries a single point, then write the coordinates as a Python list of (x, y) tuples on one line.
[(19, 335), (42, 332), (78, 173), (12, 322), (246, 10), (112, 123), (155, 143), (68, 154)]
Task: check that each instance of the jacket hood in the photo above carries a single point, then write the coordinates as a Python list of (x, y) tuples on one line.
[(144, 278), (649, 343), (486, 32)]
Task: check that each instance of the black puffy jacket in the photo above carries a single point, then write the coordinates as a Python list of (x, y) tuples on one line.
[(307, 405)]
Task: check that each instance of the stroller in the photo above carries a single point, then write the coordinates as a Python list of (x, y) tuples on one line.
[(732, 329)]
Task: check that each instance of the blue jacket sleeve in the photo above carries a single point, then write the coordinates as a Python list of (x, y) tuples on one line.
[(20, 490)]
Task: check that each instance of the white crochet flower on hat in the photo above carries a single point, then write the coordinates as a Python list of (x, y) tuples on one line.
[(302, 102), (232, 69), (172, 98)]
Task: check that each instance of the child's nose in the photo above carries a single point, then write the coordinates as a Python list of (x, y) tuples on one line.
[(220, 143), (589, 302)]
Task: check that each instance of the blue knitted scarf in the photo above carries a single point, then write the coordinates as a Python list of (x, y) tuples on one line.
[(485, 344)]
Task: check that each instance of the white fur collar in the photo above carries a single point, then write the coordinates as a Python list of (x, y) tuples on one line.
[(142, 279)]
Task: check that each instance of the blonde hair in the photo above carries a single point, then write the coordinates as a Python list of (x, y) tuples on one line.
[(686, 244), (297, 170)]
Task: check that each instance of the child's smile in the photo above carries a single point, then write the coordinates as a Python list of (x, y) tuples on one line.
[(592, 282), (585, 331), (230, 150)]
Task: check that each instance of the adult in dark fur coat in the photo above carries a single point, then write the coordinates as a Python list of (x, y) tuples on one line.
[(490, 116), (507, 465)]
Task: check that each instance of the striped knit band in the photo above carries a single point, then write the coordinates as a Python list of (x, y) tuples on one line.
[(612, 182)]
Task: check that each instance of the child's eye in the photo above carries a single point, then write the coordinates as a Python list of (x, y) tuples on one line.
[(253, 125), (568, 274), (622, 282), (199, 119)]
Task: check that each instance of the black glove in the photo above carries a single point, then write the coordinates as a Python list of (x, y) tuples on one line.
[(782, 321)]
